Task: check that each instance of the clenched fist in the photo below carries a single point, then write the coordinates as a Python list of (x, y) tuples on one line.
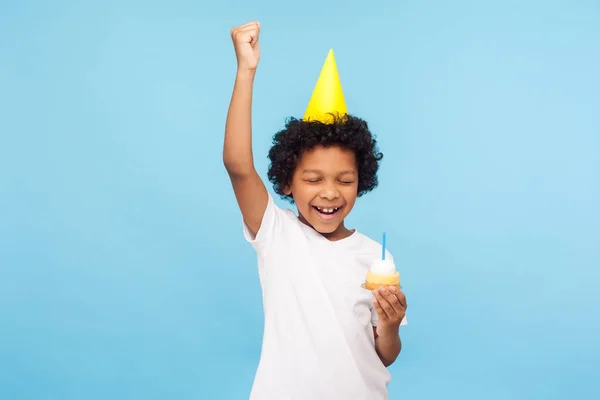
[(245, 42)]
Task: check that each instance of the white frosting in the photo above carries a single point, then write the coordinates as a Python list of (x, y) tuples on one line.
[(383, 267)]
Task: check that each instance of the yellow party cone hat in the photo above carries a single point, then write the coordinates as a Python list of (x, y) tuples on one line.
[(327, 96)]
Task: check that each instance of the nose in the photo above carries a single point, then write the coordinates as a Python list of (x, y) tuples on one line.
[(329, 192)]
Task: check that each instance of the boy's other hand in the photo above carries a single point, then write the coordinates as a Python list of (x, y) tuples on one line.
[(247, 48), (390, 304)]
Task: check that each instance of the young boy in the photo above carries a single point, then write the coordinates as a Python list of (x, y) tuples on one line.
[(325, 337)]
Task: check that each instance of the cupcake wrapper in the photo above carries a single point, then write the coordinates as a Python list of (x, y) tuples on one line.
[(375, 285)]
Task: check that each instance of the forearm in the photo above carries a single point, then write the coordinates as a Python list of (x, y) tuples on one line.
[(388, 345), (237, 148)]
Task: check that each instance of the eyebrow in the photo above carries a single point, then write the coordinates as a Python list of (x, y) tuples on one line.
[(316, 171)]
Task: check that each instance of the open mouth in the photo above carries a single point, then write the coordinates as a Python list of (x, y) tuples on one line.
[(327, 212)]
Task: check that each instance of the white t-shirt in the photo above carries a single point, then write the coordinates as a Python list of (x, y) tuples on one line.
[(318, 340)]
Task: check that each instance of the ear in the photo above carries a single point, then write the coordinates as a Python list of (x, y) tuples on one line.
[(287, 190)]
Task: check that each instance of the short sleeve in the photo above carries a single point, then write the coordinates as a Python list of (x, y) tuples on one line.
[(271, 224)]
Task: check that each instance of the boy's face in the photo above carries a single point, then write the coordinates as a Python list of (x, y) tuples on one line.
[(324, 187)]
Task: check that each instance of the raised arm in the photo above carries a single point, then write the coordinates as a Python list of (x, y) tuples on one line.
[(249, 189)]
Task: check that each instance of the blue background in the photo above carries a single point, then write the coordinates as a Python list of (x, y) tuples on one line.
[(123, 270)]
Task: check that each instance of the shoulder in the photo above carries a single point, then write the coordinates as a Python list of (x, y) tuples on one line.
[(276, 223), (280, 211)]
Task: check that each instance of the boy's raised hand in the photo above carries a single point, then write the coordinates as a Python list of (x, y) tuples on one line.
[(247, 48), (249, 189), (390, 304)]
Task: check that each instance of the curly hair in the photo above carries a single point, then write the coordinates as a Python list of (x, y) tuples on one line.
[(348, 132)]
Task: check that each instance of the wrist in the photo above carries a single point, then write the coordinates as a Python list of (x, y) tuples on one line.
[(388, 331), (245, 74)]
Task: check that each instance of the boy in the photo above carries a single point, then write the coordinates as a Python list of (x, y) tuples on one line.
[(325, 337)]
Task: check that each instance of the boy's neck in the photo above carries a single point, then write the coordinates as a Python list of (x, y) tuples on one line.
[(340, 233)]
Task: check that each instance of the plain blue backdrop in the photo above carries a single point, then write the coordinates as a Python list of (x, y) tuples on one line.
[(123, 270)]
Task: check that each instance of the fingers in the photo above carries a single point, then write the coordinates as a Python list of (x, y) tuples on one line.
[(380, 311), (254, 24), (399, 295), (247, 33), (250, 27), (247, 25), (384, 304), (390, 303)]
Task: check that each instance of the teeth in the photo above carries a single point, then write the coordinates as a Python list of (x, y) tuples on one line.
[(327, 210)]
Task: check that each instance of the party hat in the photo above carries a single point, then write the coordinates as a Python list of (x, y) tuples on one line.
[(327, 97)]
